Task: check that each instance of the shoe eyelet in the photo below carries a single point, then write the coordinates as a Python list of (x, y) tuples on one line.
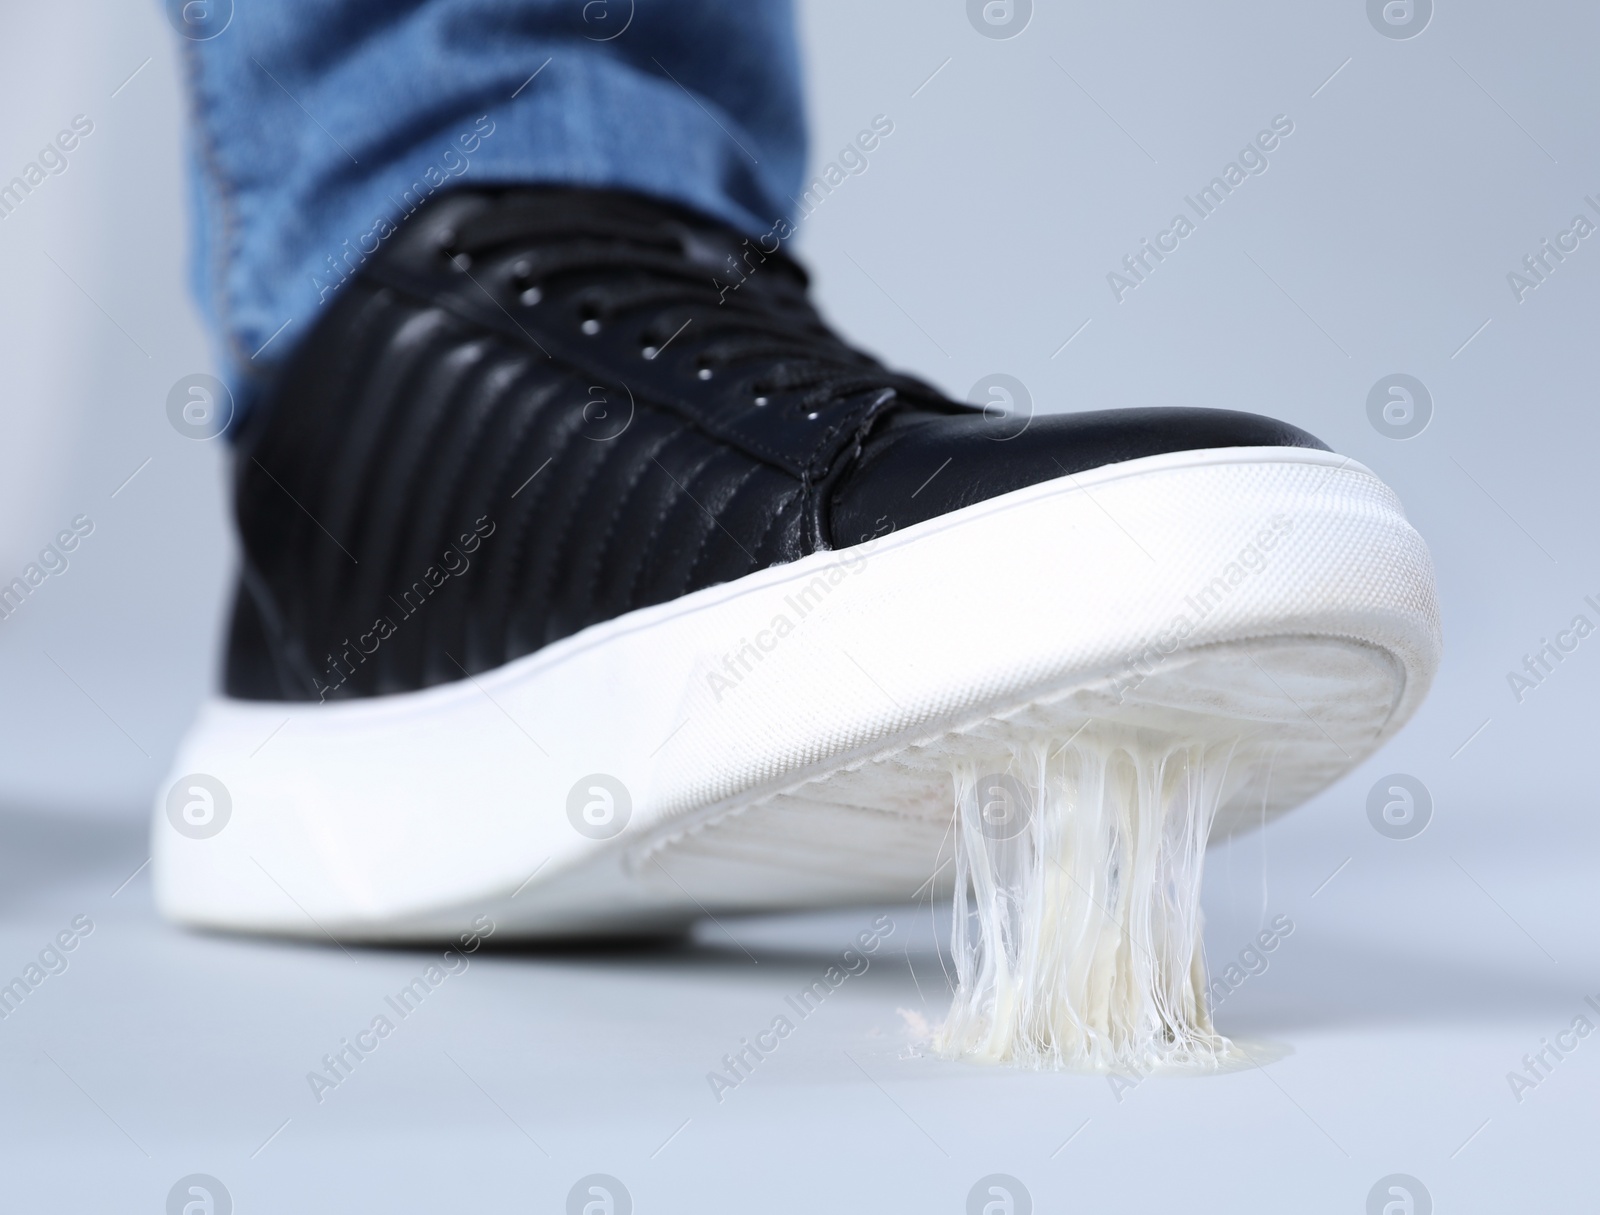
[(761, 402), (704, 373), (531, 296), (648, 352), (813, 416), (461, 261), (591, 326)]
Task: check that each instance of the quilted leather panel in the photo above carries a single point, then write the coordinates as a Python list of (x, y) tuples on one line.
[(538, 409)]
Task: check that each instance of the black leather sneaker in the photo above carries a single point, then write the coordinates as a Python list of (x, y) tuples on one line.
[(590, 582)]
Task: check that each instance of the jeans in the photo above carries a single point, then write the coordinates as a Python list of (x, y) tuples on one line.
[(320, 124)]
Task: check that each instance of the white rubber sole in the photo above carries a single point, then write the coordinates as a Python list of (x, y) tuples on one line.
[(787, 740)]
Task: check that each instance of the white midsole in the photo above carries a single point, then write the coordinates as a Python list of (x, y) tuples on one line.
[(398, 814)]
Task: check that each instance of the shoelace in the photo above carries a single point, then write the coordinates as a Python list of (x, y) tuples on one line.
[(618, 271)]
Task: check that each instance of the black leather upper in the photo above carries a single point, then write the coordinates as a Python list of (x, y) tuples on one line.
[(537, 409), (920, 465)]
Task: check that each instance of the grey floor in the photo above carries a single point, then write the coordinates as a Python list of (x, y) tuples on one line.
[(1020, 171), (1411, 983)]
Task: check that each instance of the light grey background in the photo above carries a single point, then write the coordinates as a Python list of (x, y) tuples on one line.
[(1020, 172)]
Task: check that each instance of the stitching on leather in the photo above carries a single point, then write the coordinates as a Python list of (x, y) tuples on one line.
[(631, 593), (606, 537), (530, 586), (559, 540), (773, 519), (520, 519), (472, 418), (495, 452), (705, 546), (429, 295)]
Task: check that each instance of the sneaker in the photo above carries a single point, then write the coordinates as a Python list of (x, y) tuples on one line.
[(592, 584)]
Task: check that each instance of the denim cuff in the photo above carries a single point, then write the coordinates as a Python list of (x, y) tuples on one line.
[(310, 151)]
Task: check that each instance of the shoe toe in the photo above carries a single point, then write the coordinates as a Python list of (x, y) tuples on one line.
[(924, 464)]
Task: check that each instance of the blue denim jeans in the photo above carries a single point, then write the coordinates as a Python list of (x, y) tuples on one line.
[(320, 124)]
